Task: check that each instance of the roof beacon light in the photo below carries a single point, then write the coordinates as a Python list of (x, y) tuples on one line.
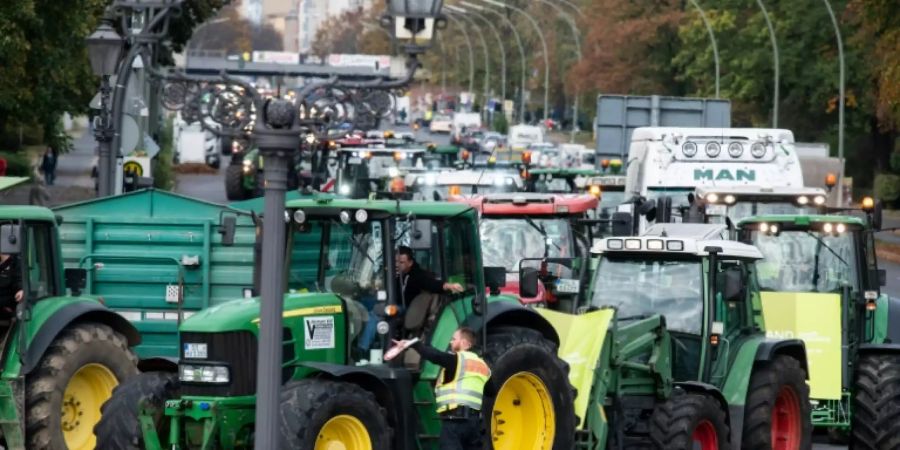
[(830, 180), (867, 203)]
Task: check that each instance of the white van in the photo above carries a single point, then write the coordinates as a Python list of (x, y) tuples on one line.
[(522, 135)]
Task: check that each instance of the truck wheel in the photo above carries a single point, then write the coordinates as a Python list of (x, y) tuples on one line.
[(528, 399), (234, 182), (875, 415), (777, 411), (688, 421), (318, 414), (76, 375), (119, 428)]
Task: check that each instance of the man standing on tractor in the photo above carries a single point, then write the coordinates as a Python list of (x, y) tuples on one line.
[(459, 391), (412, 279)]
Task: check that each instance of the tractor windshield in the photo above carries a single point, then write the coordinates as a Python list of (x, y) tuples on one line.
[(806, 261), (643, 287), (505, 241)]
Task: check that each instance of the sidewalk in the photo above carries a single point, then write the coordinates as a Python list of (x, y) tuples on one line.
[(73, 175)]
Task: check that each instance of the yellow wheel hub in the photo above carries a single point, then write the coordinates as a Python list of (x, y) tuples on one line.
[(343, 433), (523, 416), (87, 390)]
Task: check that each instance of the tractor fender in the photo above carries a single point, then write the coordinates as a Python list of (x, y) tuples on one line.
[(71, 313), (708, 389), (892, 326), (770, 348), (893, 349), (392, 388), (513, 314), (158, 364)]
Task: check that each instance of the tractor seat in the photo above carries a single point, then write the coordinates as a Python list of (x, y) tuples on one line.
[(422, 310)]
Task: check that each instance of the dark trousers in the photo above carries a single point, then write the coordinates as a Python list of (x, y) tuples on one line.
[(461, 434)]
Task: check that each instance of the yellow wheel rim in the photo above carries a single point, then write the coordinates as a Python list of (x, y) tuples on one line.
[(87, 390), (343, 433), (523, 416)]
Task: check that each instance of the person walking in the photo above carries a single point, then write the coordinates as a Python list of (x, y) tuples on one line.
[(48, 165), (459, 389)]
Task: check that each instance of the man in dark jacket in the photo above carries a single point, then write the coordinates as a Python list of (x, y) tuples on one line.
[(10, 283), (412, 279)]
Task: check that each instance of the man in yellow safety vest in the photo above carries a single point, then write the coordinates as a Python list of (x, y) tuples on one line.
[(459, 390)]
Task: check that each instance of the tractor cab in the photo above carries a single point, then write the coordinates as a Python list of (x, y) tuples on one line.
[(558, 180), (363, 170), (439, 186), (545, 232)]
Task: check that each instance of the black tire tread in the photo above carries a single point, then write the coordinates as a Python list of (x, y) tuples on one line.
[(673, 422), (501, 341), (302, 403), (765, 383), (876, 416), (45, 386), (234, 183), (119, 428)]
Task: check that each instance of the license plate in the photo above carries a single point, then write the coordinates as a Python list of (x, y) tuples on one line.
[(567, 285), (355, 161), (715, 210), (195, 351)]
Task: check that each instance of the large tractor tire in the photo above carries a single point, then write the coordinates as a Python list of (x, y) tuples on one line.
[(119, 428), (316, 414), (528, 399), (777, 411), (234, 183), (876, 405), (76, 375), (689, 421)]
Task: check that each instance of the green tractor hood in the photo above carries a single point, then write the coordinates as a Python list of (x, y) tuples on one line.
[(243, 314)]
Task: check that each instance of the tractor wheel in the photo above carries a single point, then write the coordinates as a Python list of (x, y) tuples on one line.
[(876, 415), (76, 375), (234, 182), (528, 399), (777, 411), (317, 414), (119, 428), (687, 421)]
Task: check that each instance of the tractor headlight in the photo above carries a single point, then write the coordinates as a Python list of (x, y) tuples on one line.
[(735, 149), (345, 189), (758, 150), (819, 200), (803, 200), (713, 149), (196, 373), (689, 149)]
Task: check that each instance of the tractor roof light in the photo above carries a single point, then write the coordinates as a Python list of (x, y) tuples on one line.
[(802, 200), (345, 217), (614, 244), (828, 228), (676, 246), (454, 190), (398, 156), (735, 149), (712, 197), (604, 164), (632, 244), (730, 199), (819, 200), (830, 180), (361, 215), (840, 228), (526, 157), (758, 150), (397, 185), (595, 191), (867, 203), (655, 244), (713, 149), (689, 149)]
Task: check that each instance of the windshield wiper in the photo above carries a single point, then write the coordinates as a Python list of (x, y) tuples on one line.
[(543, 232), (823, 244)]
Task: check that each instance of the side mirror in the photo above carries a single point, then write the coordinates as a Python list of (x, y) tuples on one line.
[(494, 279), (647, 208), (10, 239), (528, 282), (734, 284), (420, 235), (76, 280), (622, 224), (227, 228), (877, 277), (876, 216), (436, 196)]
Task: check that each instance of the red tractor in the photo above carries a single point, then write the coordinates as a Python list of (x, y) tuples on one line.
[(548, 234)]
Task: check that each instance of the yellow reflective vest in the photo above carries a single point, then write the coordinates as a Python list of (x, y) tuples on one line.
[(466, 388)]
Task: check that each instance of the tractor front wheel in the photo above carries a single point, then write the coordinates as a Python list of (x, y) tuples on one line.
[(234, 182), (777, 411), (321, 414), (76, 375), (689, 421), (119, 428), (876, 414), (528, 399)]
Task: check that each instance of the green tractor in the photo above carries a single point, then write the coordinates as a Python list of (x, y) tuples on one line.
[(341, 309), (244, 177), (667, 353), (820, 281), (62, 355)]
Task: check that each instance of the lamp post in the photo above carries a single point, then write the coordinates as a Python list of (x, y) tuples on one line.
[(471, 54), (573, 6), (775, 61), (577, 37), (712, 39), (518, 43), (840, 45), (104, 50), (540, 34), (487, 64)]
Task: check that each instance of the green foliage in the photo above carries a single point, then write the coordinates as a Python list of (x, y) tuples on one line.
[(895, 162), (887, 187), (17, 164), (163, 169)]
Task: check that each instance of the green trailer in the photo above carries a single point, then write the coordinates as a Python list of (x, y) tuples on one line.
[(337, 321), (62, 354), (820, 281)]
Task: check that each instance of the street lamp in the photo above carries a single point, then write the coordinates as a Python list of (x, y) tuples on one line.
[(840, 46), (487, 65), (712, 39), (578, 55), (775, 61), (413, 23), (104, 50)]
